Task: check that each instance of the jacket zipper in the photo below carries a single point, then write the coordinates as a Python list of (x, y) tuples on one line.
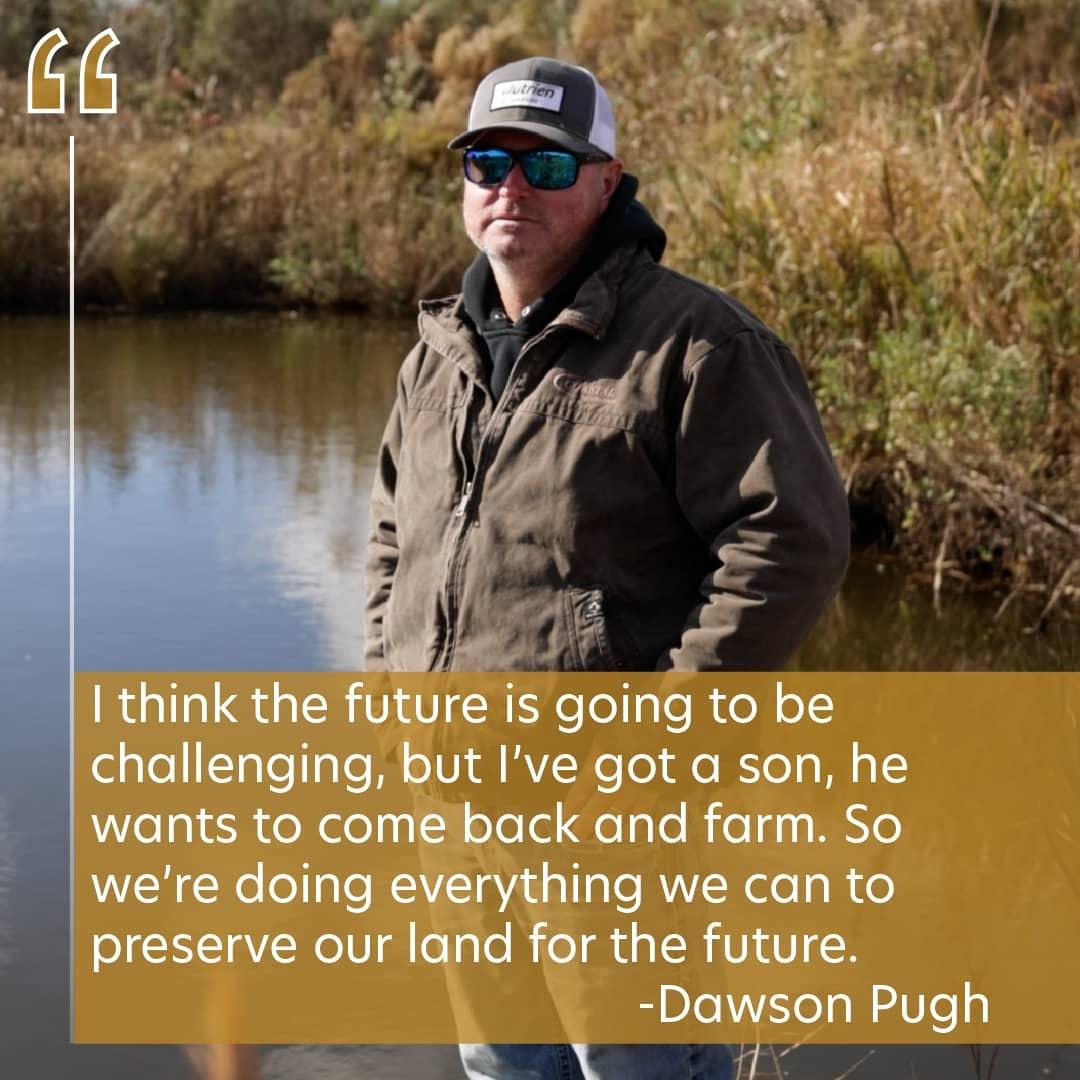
[(463, 508), (460, 511)]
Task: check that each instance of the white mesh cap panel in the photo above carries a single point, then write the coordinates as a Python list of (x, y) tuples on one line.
[(602, 132)]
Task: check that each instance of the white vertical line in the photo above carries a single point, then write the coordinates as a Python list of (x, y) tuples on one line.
[(71, 585)]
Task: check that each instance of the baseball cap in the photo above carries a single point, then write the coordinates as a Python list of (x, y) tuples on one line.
[(560, 102)]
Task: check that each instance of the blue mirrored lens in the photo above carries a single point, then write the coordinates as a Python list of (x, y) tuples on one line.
[(487, 166), (549, 170)]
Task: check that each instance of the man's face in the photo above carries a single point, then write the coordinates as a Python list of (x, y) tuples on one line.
[(527, 228)]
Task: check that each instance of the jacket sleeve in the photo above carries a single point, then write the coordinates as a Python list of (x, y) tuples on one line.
[(382, 549), (756, 481)]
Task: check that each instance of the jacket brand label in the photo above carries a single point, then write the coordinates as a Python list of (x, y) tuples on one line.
[(586, 388), (528, 94)]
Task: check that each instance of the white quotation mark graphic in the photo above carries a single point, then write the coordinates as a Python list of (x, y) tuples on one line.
[(97, 92), (45, 90)]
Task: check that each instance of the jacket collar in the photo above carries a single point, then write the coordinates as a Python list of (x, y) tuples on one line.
[(444, 327)]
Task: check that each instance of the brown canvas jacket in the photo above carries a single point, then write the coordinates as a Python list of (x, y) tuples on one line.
[(653, 489)]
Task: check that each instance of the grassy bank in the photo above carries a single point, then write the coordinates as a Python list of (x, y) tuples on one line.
[(893, 186)]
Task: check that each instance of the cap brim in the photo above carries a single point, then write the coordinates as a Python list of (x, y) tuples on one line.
[(544, 131)]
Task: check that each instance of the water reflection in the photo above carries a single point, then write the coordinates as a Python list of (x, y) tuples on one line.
[(885, 621), (33, 411), (7, 882), (236, 456)]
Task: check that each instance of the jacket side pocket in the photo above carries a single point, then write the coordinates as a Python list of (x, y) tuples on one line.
[(586, 625)]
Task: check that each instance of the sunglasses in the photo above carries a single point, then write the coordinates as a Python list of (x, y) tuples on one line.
[(543, 168)]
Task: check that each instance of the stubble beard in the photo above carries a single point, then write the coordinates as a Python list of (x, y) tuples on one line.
[(534, 266)]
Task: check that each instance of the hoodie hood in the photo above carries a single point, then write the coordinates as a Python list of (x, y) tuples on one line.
[(626, 221)]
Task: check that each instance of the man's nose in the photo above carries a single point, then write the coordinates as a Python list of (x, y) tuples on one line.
[(514, 182)]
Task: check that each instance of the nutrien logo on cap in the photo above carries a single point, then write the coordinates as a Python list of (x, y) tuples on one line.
[(527, 94)]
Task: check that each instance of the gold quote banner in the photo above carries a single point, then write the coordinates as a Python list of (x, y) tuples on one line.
[(268, 857)]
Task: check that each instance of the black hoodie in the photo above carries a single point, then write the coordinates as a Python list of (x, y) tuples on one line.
[(625, 221)]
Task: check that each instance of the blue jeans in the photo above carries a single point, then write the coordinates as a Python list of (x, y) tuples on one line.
[(595, 1061)]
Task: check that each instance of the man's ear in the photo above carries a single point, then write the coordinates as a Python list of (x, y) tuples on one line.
[(613, 171)]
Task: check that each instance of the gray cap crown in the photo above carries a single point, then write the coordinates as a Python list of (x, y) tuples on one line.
[(555, 100)]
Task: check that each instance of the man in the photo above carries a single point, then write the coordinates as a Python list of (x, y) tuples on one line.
[(593, 462)]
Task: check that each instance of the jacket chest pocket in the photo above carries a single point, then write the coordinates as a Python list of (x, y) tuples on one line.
[(433, 459), (627, 417), (587, 629), (611, 391)]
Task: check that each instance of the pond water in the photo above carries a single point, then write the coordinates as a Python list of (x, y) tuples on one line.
[(223, 465)]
